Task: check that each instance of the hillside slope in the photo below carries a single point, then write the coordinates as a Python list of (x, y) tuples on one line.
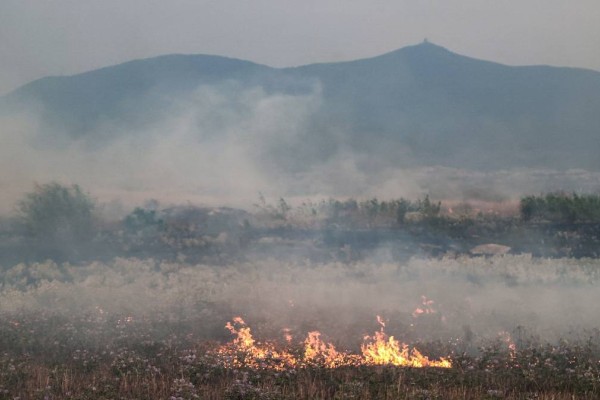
[(420, 105)]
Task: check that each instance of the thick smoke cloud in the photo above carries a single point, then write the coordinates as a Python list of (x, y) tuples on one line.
[(207, 149), (224, 144)]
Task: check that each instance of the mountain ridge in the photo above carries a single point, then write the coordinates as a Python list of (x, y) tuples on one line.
[(425, 44), (425, 102)]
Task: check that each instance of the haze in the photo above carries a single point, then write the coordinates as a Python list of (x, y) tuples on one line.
[(61, 37)]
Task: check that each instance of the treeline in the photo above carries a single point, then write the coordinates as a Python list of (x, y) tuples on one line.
[(561, 208), (556, 207), (63, 223), (350, 213), (55, 214)]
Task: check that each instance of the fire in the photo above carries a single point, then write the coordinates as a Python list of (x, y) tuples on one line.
[(379, 349), (318, 352), (244, 339), (245, 351), (287, 335), (512, 347), (427, 308)]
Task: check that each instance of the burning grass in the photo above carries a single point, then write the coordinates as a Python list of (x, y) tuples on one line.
[(379, 349), (506, 327), (140, 361)]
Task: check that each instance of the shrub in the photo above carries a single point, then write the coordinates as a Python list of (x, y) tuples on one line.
[(561, 207), (142, 220), (58, 216)]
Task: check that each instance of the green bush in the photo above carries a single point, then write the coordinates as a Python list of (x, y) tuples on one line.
[(57, 215), (561, 207), (370, 213), (142, 220)]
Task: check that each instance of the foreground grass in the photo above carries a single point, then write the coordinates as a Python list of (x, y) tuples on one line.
[(372, 383), (90, 357), (513, 327)]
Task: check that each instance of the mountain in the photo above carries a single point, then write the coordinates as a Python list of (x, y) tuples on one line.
[(419, 105), (462, 112), (122, 94)]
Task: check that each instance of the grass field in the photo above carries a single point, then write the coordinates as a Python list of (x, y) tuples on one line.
[(511, 327)]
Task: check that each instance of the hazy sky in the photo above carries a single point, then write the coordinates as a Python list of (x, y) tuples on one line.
[(55, 37)]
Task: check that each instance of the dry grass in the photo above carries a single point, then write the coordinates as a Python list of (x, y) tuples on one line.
[(138, 329)]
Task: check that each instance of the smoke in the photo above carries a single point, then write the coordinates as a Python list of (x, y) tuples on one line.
[(222, 144), (208, 148), (471, 299)]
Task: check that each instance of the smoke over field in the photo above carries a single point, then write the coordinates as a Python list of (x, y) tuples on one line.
[(547, 299), (119, 326), (216, 130), (414, 225), (221, 149)]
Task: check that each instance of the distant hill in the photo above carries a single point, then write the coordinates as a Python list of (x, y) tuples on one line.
[(126, 94), (420, 105)]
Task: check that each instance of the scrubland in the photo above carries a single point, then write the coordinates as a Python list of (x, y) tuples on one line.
[(512, 326)]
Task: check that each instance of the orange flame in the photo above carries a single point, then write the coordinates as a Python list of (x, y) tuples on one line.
[(244, 351), (512, 347), (317, 352), (287, 335), (379, 349), (426, 309)]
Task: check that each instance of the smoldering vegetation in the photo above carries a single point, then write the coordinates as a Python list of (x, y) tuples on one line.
[(513, 326)]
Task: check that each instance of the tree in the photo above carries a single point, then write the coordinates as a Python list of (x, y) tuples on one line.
[(528, 207), (429, 209), (57, 216), (561, 207), (403, 206), (143, 220)]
